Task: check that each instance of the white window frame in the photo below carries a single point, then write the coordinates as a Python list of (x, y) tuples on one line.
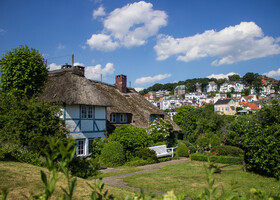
[(80, 147), (123, 118), (113, 117), (90, 146), (86, 112)]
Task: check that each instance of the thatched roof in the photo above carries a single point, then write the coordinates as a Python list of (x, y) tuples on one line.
[(72, 88), (131, 103)]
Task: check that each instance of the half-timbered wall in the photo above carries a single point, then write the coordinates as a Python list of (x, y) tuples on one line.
[(85, 123)]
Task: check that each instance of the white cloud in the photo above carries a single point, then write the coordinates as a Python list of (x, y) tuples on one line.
[(54, 66), (222, 76), (151, 79), (139, 89), (93, 72), (79, 64), (102, 42), (60, 46), (2, 31), (83, 47), (273, 73), (100, 12), (232, 44), (128, 26)]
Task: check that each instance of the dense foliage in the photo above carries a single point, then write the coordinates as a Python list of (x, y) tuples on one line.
[(82, 168), (226, 150), (161, 130), (23, 72), (28, 122), (182, 150), (201, 121), (113, 154), (216, 159), (261, 142), (147, 154), (131, 138)]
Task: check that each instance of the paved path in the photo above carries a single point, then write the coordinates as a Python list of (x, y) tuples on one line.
[(117, 180)]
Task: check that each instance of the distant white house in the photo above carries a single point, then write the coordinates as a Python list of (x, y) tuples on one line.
[(232, 86), (211, 87)]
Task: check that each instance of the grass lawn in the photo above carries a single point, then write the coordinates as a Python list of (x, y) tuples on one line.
[(22, 178), (124, 170), (189, 178)]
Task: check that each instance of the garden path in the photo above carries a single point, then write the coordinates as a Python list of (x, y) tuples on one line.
[(117, 180)]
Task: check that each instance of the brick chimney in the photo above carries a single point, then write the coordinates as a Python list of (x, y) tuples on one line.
[(121, 83)]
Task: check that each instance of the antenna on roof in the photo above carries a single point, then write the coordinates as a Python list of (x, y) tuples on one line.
[(72, 60), (130, 84), (101, 77)]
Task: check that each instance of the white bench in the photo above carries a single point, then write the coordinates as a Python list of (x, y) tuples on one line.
[(162, 150)]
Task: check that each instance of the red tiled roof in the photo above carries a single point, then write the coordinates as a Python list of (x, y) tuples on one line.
[(252, 106)]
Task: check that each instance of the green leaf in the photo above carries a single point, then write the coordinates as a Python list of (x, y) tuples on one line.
[(44, 178)]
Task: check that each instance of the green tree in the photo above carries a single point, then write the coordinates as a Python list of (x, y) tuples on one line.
[(28, 122), (249, 77), (234, 77), (24, 72)]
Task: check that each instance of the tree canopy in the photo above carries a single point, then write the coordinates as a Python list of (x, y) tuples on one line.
[(24, 72)]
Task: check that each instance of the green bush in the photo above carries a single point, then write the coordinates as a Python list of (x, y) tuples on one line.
[(22, 154), (113, 154), (202, 141), (82, 168), (164, 159), (215, 141), (139, 162), (97, 146), (199, 157), (216, 159), (226, 150), (191, 147), (182, 150), (161, 130), (147, 154), (131, 138)]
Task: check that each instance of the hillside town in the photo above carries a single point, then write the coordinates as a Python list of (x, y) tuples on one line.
[(228, 99)]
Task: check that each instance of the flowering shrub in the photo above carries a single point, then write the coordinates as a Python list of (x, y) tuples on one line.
[(160, 130)]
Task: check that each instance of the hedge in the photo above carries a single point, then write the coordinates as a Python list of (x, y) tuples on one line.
[(216, 159)]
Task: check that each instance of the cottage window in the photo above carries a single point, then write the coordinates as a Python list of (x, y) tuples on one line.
[(113, 118), (80, 147), (86, 112), (89, 112), (123, 118), (90, 145), (227, 108)]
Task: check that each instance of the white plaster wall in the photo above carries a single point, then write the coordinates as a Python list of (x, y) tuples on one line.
[(100, 113), (71, 125), (72, 111)]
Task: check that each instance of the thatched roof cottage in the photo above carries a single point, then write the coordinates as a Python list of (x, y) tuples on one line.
[(84, 106), (91, 108)]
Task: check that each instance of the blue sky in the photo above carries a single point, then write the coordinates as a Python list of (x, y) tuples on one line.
[(156, 41)]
